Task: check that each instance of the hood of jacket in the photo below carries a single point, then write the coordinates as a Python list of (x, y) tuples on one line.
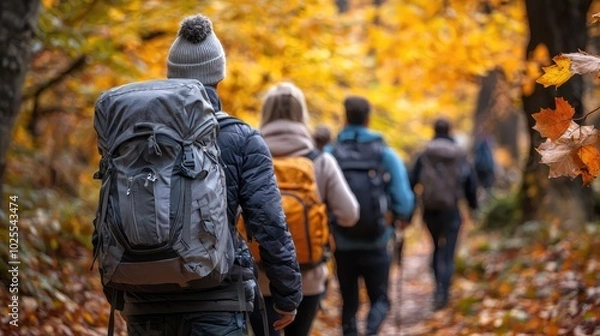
[(360, 133), (287, 138), (443, 148)]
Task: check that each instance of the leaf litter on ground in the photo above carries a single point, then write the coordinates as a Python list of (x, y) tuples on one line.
[(544, 279)]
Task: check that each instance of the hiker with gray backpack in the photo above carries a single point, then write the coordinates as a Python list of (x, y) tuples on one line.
[(175, 169), (445, 176)]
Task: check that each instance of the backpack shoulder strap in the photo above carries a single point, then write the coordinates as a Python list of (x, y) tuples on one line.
[(313, 154), (226, 120)]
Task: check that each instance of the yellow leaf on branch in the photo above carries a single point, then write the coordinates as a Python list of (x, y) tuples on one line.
[(557, 74)]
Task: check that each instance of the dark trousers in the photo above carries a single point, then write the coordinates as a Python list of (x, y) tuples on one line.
[(444, 228), (301, 325), (374, 267), (188, 324)]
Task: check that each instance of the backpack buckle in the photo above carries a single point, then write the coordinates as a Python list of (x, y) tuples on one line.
[(188, 160), (189, 164)]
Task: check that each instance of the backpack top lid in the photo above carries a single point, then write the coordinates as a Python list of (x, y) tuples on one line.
[(442, 149), (181, 104), (441, 174)]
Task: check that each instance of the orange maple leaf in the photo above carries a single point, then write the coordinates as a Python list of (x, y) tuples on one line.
[(557, 74), (587, 178), (553, 123), (590, 155)]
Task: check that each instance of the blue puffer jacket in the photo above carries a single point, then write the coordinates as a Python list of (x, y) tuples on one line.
[(400, 193)]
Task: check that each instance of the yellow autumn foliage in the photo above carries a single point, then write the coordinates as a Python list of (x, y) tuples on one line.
[(414, 60)]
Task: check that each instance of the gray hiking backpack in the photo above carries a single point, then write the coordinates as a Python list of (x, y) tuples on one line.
[(440, 175), (161, 223)]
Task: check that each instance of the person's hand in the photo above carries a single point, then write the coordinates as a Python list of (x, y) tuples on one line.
[(285, 320)]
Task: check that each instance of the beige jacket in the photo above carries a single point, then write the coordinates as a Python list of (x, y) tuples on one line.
[(289, 138)]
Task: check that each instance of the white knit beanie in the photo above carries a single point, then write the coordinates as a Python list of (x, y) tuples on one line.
[(196, 52)]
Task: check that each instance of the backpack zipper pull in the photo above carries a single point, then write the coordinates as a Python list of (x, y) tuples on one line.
[(151, 177), (153, 145), (129, 183)]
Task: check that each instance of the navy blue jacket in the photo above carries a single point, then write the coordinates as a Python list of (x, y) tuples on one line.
[(251, 184)]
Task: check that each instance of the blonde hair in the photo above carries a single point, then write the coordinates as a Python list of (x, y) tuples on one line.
[(284, 101)]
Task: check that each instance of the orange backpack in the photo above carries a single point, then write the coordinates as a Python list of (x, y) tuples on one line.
[(306, 214)]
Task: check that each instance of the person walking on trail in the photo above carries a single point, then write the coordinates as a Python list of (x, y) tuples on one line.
[(284, 126), (198, 54), (484, 165), (379, 180), (322, 136), (446, 176)]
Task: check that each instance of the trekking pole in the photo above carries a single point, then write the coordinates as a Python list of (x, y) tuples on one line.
[(399, 247)]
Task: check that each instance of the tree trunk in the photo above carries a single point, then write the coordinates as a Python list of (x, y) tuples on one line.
[(18, 20), (560, 25), (484, 119)]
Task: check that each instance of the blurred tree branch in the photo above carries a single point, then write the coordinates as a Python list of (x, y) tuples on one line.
[(36, 92), (18, 21)]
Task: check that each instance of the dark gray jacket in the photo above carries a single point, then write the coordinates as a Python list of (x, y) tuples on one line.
[(468, 178)]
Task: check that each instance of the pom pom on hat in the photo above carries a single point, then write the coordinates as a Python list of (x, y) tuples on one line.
[(195, 29), (197, 52)]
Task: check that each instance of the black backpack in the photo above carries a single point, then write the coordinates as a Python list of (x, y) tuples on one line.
[(363, 169)]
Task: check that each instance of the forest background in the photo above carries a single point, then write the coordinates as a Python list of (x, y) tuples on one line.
[(475, 62)]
